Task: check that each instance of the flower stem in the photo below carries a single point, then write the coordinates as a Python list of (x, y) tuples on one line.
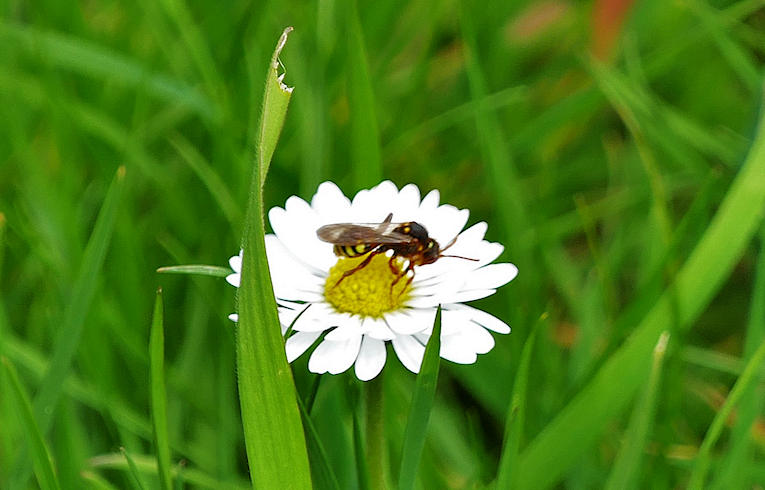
[(375, 434)]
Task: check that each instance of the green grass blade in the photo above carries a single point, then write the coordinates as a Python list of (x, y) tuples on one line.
[(507, 473), (276, 98), (580, 423), (147, 465), (217, 187), (366, 160), (83, 290), (273, 431), (135, 482), (624, 473), (323, 475), (41, 456), (419, 411), (74, 54), (703, 457), (202, 270), (159, 394), (73, 323), (741, 452)]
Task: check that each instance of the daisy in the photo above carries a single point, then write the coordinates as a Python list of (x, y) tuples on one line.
[(354, 310)]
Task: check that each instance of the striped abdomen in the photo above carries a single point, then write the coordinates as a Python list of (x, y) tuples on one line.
[(353, 250)]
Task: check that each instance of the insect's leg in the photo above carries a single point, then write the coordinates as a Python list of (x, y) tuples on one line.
[(399, 275), (358, 267), (392, 267)]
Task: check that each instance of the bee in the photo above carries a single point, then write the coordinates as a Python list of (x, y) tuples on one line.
[(408, 240)]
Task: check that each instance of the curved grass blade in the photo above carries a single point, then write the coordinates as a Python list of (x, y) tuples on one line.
[(741, 452), (581, 422), (624, 473), (73, 323), (273, 431), (703, 458), (419, 411), (147, 465), (366, 161), (202, 270), (41, 457), (79, 56), (159, 394), (508, 463), (323, 474), (135, 482)]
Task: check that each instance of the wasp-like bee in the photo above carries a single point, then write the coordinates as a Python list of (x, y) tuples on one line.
[(408, 240)]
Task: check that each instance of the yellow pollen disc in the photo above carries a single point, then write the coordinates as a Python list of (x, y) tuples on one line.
[(368, 291)]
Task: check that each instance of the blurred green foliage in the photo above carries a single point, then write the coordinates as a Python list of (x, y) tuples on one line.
[(597, 139)]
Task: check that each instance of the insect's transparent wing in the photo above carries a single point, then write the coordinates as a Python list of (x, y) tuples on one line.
[(355, 233)]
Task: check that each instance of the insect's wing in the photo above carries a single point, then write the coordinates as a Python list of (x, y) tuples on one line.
[(353, 234)]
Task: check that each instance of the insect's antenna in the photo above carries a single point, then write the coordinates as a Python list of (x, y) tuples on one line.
[(459, 257), (452, 242)]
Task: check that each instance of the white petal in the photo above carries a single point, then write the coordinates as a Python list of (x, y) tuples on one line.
[(371, 358), (236, 262), (291, 278), (482, 318), (317, 318), (409, 352), (377, 329), (448, 223), (491, 276), (330, 204), (477, 338), (411, 320), (234, 317), (298, 343), (234, 279), (334, 357), (454, 349), (373, 205), (406, 206), (464, 296), (296, 226)]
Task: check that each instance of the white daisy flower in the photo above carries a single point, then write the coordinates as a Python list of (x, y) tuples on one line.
[(355, 302)]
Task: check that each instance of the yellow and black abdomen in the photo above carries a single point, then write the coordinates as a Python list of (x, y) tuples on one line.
[(353, 250)]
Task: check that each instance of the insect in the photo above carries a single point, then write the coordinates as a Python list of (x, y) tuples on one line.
[(408, 240)]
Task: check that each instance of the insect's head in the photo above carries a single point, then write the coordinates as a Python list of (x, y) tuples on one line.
[(432, 252)]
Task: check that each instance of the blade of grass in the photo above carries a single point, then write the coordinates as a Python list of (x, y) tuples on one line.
[(366, 160), (159, 394), (741, 452), (323, 474), (624, 473), (273, 431), (83, 290), (202, 270), (581, 422), (135, 482), (703, 458), (41, 456), (218, 189), (419, 410), (507, 473), (148, 465), (73, 323), (82, 57), (362, 463)]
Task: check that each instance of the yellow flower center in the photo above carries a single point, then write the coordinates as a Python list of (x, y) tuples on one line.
[(368, 291)]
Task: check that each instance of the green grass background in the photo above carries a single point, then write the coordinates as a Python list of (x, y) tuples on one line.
[(603, 150)]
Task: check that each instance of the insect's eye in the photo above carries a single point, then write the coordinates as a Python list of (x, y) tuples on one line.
[(407, 229), (430, 245)]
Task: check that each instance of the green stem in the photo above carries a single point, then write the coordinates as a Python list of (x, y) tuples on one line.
[(375, 433)]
